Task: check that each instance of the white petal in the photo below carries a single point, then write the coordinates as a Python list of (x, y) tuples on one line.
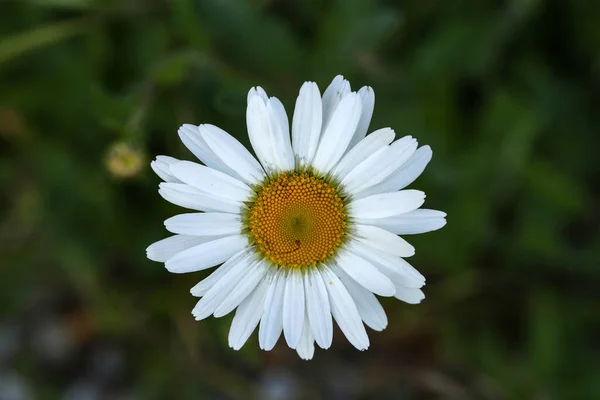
[(205, 224), (281, 134), (306, 123), (206, 255), (369, 308), (232, 153), (255, 274), (259, 131), (371, 166), (411, 223), (247, 316), (380, 165), (317, 308), (344, 310), (338, 133), (190, 136), (205, 284), (211, 181), (306, 346), (369, 145), (161, 167), (223, 288), (164, 249), (367, 97), (257, 91), (293, 308), (186, 196), (403, 176), (332, 96), (409, 295), (387, 204), (271, 323), (365, 273), (397, 269), (383, 240), (268, 130)]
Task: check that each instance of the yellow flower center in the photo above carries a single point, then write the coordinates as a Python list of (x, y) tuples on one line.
[(297, 220)]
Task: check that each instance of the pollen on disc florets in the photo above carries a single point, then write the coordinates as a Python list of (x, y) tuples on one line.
[(297, 219)]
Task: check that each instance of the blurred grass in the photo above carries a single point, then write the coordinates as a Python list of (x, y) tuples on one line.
[(505, 92)]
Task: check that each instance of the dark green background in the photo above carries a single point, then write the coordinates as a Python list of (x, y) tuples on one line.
[(505, 92)]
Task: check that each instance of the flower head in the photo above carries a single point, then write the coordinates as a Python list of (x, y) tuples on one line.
[(306, 233), (124, 160)]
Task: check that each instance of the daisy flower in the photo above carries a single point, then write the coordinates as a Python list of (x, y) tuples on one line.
[(307, 233)]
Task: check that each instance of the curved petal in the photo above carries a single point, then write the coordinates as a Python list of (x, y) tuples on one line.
[(186, 196), (257, 91), (206, 255), (397, 269), (205, 224), (293, 308), (317, 308), (365, 274), (306, 346), (403, 176), (383, 240), (338, 133), (367, 98), (269, 134), (359, 153), (164, 249), (335, 92), (259, 132), (282, 143), (247, 316), (161, 167), (410, 223), (344, 310), (380, 165), (306, 123), (369, 308), (256, 273), (205, 284), (387, 204), (271, 323), (409, 295), (232, 153), (209, 180), (223, 288), (191, 138)]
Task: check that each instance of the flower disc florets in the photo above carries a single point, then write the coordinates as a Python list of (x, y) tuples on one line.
[(297, 219)]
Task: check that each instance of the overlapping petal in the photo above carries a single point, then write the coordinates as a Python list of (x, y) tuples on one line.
[(329, 139)]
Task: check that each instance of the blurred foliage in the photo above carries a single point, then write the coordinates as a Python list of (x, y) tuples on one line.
[(506, 92)]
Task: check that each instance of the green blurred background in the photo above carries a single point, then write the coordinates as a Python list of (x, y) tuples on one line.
[(506, 92)]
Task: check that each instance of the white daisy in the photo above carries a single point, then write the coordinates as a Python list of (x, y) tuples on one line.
[(309, 231)]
